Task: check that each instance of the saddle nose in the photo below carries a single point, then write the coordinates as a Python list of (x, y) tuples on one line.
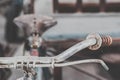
[(30, 21)]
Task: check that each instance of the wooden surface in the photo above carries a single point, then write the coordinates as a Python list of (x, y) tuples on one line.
[(86, 6)]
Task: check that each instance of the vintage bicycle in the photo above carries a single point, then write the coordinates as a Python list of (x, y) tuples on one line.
[(28, 63), (31, 63)]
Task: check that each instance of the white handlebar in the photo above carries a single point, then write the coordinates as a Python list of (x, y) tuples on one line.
[(74, 49), (20, 62), (32, 61)]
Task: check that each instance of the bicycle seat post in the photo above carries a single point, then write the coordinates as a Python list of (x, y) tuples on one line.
[(34, 41)]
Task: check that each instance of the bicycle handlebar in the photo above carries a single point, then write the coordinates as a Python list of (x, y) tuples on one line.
[(94, 41), (31, 63)]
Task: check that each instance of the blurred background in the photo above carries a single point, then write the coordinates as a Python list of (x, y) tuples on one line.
[(76, 19)]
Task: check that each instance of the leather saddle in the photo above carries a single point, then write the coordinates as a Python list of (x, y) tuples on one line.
[(27, 22)]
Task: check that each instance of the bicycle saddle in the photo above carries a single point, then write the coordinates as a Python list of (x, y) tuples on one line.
[(30, 21)]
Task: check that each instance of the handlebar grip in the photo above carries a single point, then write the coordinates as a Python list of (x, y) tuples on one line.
[(100, 41), (106, 40)]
